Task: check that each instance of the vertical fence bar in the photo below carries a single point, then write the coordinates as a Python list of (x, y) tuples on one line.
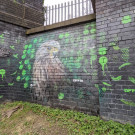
[(78, 8), (61, 11), (65, 10), (68, 10), (75, 9), (58, 12), (52, 13), (46, 19), (55, 13), (49, 14), (72, 12), (83, 8), (86, 7)]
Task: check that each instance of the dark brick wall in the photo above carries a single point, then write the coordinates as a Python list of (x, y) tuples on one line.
[(28, 14), (66, 79), (116, 44), (12, 39)]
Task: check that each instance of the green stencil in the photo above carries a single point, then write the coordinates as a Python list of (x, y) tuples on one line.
[(35, 40), (93, 31), (132, 79), (2, 36), (1, 96), (15, 56), (66, 35), (128, 102), (24, 52), (129, 90), (21, 67), (3, 73), (115, 47), (123, 65), (24, 72), (26, 46), (125, 55), (93, 58), (61, 36), (104, 89), (30, 46), (107, 84), (10, 84), (29, 67), (29, 51), (26, 85), (32, 56), (86, 32), (14, 73), (12, 47), (26, 61), (27, 78), (102, 51), (126, 19), (103, 61), (18, 78), (116, 78), (61, 96)]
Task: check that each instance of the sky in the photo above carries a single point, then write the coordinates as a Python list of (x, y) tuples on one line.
[(53, 2)]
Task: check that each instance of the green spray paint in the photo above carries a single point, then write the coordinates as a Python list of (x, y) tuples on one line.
[(128, 102), (132, 79), (26, 85), (2, 73), (21, 67), (61, 96), (61, 36), (93, 58), (10, 84), (123, 65), (116, 78), (18, 78), (86, 32), (126, 19), (129, 90), (107, 84), (1, 96), (125, 54), (12, 47), (103, 61), (15, 56), (104, 89), (102, 51), (14, 73)]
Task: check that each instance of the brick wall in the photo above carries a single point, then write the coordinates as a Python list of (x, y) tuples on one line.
[(12, 40), (57, 68), (115, 22)]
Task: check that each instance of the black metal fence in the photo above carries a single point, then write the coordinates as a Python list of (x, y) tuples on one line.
[(67, 10)]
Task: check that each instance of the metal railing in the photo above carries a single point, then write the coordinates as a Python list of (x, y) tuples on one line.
[(68, 10)]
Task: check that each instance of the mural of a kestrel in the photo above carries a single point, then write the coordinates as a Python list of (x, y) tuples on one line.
[(47, 70)]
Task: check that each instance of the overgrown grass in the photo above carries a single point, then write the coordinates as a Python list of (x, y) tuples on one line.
[(76, 122)]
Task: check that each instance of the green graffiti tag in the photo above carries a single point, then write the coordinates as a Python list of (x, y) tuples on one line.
[(129, 90), (103, 61), (126, 19), (2, 73), (107, 84), (132, 79), (26, 85), (12, 47), (10, 84), (116, 78), (61, 96), (1, 96), (14, 73), (123, 65), (18, 78), (125, 55), (15, 56), (128, 102), (102, 51)]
